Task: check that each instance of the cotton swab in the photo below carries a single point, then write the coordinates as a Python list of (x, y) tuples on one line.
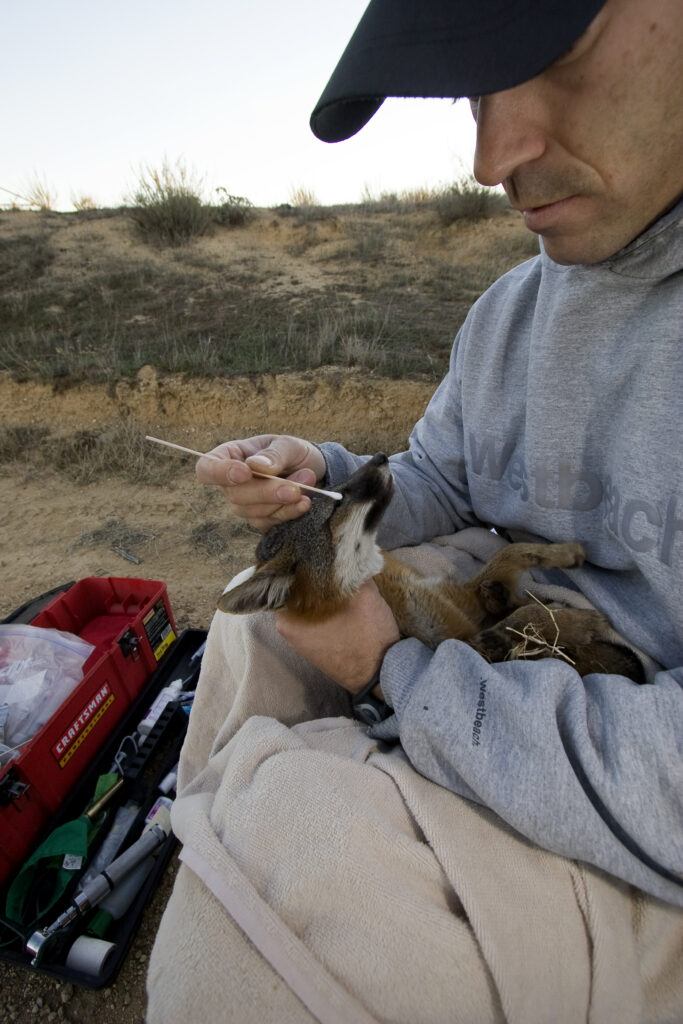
[(268, 476)]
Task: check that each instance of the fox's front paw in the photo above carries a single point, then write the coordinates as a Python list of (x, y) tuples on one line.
[(568, 556)]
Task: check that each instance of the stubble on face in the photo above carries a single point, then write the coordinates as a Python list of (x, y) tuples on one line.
[(613, 119)]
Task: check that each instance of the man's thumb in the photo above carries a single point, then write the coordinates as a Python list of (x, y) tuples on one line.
[(279, 457)]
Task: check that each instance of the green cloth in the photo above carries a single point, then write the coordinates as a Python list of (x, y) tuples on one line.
[(44, 877)]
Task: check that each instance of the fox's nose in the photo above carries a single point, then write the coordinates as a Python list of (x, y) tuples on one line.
[(379, 459)]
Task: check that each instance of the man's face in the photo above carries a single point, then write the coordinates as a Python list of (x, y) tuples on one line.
[(591, 150)]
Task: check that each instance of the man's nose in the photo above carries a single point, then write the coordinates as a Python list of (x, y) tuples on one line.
[(509, 134)]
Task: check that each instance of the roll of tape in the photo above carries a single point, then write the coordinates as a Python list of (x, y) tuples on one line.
[(89, 955)]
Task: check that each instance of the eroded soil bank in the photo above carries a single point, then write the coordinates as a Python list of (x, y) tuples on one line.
[(53, 530)]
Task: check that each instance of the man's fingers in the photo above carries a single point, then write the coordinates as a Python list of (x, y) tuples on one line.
[(285, 455), (259, 492), (217, 466), (232, 469), (278, 514), (303, 476), (266, 510)]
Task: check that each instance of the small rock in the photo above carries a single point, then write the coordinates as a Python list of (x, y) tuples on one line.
[(67, 992), (39, 1002)]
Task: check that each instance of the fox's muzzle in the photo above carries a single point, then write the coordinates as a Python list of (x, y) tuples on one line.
[(372, 484)]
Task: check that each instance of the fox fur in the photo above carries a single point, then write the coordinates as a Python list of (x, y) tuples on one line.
[(313, 565)]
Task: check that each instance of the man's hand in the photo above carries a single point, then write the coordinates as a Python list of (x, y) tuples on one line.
[(263, 503), (349, 646)]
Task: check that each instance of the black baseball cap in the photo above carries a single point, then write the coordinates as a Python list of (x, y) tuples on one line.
[(444, 48)]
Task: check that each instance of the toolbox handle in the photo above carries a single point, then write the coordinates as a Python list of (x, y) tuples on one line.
[(27, 611)]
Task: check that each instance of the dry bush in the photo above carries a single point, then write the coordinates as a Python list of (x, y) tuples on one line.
[(117, 450), (302, 196), (39, 195), (466, 199), (118, 536), (421, 196), (368, 241), (232, 211), (167, 205), (383, 202), (303, 205), (20, 443), (406, 201), (213, 537), (83, 203)]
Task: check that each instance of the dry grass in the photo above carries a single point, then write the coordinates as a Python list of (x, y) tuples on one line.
[(302, 196), (290, 290), (367, 241), (215, 537), (83, 203), (167, 205), (118, 450), (116, 535), (534, 644), (89, 455), (467, 200), (40, 195), (231, 211), (20, 443)]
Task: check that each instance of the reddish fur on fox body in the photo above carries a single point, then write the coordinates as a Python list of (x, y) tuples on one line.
[(314, 565)]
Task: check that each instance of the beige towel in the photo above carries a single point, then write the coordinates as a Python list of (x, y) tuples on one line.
[(325, 880)]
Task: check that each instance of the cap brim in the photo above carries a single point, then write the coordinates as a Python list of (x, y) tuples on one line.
[(443, 48)]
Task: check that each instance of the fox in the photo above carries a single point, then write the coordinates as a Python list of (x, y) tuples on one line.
[(313, 566)]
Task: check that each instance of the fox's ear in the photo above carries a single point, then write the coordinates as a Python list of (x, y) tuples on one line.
[(255, 590)]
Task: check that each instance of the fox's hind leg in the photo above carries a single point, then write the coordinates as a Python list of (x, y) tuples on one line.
[(497, 583), (542, 627)]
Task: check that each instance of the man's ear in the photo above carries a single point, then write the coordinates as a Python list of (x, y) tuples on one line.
[(256, 590)]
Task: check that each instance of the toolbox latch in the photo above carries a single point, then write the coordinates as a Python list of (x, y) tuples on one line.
[(130, 644), (11, 788)]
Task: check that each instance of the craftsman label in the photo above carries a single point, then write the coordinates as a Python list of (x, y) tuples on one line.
[(158, 629), (83, 724)]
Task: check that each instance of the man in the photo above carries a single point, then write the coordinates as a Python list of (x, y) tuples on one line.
[(559, 419)]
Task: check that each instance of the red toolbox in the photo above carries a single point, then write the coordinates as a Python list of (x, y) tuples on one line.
[(131, 624)]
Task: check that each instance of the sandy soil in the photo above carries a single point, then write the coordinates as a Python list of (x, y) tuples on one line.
[(45, 520)]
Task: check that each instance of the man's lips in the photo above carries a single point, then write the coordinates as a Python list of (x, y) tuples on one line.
[(539, 218)]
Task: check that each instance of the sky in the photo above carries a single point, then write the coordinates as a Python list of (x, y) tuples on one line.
[(95, 90)]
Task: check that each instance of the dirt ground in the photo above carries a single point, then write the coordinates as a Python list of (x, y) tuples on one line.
[(47, 523)]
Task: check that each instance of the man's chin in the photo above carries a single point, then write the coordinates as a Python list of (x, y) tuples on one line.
[(583, 249)]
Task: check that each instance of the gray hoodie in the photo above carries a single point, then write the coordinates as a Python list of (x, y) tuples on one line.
[(561, 418)]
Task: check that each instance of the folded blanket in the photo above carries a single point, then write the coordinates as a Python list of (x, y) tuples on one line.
[(325, 880)]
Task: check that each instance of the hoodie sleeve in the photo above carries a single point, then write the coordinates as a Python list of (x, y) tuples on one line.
[(588, 768), (431, 496)]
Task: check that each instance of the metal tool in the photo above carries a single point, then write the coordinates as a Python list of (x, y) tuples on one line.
[(96, 889)]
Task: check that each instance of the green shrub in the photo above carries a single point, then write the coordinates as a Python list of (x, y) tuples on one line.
[(167, 206), (466, 199), (233, 211)]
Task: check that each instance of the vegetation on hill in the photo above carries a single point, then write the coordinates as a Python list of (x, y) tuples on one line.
[(225, 288)]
